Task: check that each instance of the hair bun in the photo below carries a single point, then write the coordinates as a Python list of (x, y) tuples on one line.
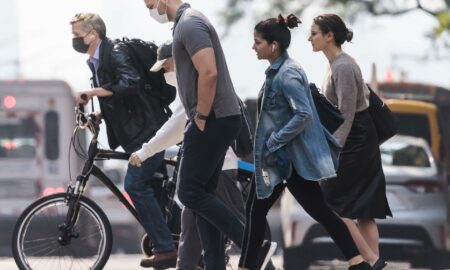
[(349, 35), (292, 21), (282, 21)]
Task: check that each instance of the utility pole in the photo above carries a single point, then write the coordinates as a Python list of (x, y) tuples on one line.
[(9, 44), (373, 79)]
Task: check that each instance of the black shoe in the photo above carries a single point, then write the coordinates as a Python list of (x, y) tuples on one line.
[(266, 252), (161, 260), (361, 266), (379, 264)]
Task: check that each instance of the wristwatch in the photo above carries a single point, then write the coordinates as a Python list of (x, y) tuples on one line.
[(200, 116)]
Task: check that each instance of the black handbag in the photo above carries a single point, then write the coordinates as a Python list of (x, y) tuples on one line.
[(386, 123), (243, 145), (329, 115)]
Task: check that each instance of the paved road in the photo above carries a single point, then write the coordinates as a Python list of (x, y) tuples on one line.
[(131, 262)]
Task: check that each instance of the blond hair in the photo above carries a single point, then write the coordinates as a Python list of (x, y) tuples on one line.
[(90, 21)]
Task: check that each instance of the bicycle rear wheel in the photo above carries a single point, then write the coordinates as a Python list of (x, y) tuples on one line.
[(36, 244)]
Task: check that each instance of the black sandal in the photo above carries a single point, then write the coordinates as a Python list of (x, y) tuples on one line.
[(361, 266), (379, 264)]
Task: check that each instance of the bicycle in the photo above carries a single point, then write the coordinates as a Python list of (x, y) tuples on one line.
[(70, 231)]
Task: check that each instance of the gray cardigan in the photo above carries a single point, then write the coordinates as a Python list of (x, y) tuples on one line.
[(345, 88)]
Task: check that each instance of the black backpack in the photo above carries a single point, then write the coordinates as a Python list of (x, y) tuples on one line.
[(143, 55)]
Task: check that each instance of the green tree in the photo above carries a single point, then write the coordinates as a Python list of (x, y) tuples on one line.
[(350, 9)]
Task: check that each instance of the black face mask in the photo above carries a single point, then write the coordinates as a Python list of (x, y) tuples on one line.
[(78, 45)]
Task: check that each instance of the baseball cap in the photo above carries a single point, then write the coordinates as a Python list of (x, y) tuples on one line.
[(164, 52)]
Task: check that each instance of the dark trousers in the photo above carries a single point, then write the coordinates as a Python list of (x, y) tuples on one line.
[(200, 167), (309, 195), (189, 246)]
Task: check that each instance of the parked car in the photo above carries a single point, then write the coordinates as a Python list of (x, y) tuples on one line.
[(416, 191)]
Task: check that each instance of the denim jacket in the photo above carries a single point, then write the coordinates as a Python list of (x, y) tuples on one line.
[(289, 132)]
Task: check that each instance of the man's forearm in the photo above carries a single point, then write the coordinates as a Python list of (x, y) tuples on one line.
[(206, 92), (101, 92)]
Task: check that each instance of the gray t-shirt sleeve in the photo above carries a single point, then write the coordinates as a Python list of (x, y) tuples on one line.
[(195, 35)]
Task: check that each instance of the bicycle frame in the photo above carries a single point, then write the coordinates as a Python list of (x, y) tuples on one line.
[(69, 228), (75, 192)]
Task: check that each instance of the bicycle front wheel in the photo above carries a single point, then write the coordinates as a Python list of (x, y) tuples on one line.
[(37, 236)]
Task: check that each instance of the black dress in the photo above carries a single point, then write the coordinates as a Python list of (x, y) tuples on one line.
[(359, 190)]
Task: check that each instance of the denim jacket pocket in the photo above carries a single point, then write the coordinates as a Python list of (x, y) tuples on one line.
[(269, 103), (272, 99)]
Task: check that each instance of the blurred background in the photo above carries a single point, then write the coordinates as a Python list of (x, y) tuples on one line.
[(36, 37), (402, 47)]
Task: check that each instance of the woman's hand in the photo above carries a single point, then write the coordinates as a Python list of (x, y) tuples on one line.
[(135, 160)]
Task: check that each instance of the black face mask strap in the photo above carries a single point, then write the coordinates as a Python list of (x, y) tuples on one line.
[(87, 34)]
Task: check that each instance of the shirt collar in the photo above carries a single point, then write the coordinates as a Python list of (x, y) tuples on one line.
[(278, 62), (180, 12), (96, 56)]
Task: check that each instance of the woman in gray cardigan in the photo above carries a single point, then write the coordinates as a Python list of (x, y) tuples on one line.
[(359, 190)]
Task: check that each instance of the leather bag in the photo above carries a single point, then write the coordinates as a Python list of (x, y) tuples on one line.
[(329, 115), (383, 118)]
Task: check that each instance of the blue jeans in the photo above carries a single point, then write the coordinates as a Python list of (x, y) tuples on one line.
[(200, 167), (137, 185)]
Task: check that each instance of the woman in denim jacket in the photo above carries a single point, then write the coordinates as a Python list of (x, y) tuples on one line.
[(292, 148)]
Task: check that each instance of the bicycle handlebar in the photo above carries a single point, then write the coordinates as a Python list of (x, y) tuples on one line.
[(111, 154), (88, 120), (81, 106), (84, 97)]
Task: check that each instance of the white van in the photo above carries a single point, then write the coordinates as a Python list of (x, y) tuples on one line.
[(36, 124)]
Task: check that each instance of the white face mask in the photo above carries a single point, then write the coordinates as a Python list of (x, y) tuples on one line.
[(171, 78), (161, 18)]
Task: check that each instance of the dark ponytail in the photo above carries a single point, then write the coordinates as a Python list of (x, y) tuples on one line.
[(333, 23), (277, 29)]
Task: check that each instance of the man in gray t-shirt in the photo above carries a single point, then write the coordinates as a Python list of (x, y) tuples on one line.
[(193, 32), (208, 96)]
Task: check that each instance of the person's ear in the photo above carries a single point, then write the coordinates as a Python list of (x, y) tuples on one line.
[(275, 45), (330, 36)]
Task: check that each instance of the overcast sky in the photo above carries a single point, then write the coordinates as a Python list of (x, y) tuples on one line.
[(38, 32)]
